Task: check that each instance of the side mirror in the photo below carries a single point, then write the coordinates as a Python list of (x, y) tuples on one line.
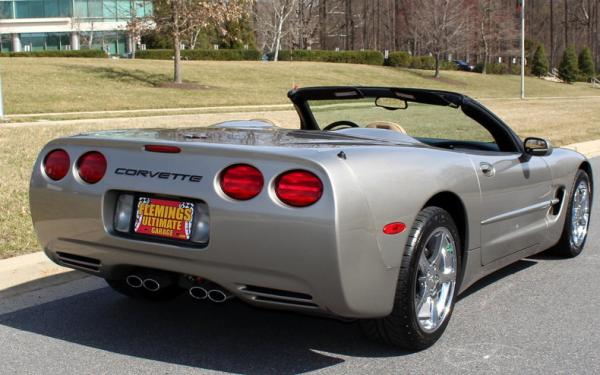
[(537, 146)]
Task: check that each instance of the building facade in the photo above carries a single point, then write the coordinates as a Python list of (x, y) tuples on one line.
[(38, 25)]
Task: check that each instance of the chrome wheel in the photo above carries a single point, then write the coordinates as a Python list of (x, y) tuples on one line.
[(580, 213), (436, 280)]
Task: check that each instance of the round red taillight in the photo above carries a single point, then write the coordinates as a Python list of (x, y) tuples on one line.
[(298, 188), (91, 167), (241, 181), (56, 164)]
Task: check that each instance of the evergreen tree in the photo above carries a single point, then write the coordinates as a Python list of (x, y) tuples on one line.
[(586, 64), (540, 62), (568, 69)]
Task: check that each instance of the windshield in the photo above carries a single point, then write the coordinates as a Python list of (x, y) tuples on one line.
[(417, 120)]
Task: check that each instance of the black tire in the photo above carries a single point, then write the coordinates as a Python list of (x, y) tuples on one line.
[(401, 328), (565, 247), (167, 293)]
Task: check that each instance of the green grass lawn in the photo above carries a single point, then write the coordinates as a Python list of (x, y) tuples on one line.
[(38, 85), (66, 85)]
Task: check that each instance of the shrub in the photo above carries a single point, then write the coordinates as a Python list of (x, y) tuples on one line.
[(448, 65), (539, 65), (423, 62), (493, 68), (81, 53), (350, 57), (199, 54), (586, 64), (568, 69), (399, 59)]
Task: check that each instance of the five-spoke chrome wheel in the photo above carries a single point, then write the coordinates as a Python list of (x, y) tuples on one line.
[(436, 280), (580, 213)]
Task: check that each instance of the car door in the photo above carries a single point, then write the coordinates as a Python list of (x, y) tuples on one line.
[(516, 193)]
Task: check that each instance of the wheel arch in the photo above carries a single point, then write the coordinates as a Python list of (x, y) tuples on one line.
[(452, 203), (587, 168)]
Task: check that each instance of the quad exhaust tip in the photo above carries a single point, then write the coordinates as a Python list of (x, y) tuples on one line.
[(134, 281), (151, 285), (198, 292), (218, 295)]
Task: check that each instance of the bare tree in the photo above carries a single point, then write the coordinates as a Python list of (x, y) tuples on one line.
[(441, 23), (272, 23), (179, 18)]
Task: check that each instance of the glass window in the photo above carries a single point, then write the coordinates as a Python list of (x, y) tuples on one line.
[(81, 9), (51, 8), (418, 120), (6, 9), (65, 8), (5, 43), (123, 9), (95, 9), (110, 10), (53, 41), (35, 41)]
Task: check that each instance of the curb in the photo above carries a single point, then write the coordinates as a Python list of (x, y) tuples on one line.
[(30, 272), (590, 148)]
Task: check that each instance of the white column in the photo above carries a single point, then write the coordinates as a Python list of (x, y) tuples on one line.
[(129, 42), (16, 43), (75, 41)]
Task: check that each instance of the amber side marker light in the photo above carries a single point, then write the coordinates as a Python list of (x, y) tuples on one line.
[(394, 228)]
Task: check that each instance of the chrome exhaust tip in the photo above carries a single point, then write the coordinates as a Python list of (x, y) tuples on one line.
[(134, 281), (151, 285), (218, 295), (198, 292)]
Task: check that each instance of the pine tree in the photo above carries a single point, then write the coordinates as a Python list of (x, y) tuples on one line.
[(568, 69), (540, 62), (586, 64)]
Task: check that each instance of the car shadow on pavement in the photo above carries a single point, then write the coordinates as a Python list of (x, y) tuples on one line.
[(232, 337)]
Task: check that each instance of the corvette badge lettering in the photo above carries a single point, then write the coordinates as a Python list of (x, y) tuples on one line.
[(161, 175)]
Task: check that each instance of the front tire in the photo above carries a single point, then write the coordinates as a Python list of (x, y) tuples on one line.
[(577, 220), (427, 285)]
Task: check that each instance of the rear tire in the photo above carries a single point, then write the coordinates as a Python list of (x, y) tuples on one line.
[(577, 220), (405, 327)]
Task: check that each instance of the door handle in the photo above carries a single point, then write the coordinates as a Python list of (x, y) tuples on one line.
[(487, 169)]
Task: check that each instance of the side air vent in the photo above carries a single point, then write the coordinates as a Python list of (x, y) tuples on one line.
[(78, 261), (557, 202), (276, 296)]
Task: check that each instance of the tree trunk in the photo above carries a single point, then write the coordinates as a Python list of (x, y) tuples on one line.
[(323, 24), (552, 34), (349, 26), (437, 65), (177, 59), (278, 38), (566, 23)]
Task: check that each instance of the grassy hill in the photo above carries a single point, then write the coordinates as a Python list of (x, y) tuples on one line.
[(38, 85)]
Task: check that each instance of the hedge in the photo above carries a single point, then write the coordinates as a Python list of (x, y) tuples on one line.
[(198, 54), (80, 53), (350, 57), (399, 59)]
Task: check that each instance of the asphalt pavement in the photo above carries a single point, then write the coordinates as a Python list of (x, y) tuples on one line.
[(539, 315)]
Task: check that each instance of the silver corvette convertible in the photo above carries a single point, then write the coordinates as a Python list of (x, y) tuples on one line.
[(381, 206)]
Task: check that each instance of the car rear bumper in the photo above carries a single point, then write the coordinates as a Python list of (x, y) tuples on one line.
[(304, 263)]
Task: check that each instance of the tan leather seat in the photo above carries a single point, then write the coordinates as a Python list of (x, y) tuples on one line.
[(388, 125)]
